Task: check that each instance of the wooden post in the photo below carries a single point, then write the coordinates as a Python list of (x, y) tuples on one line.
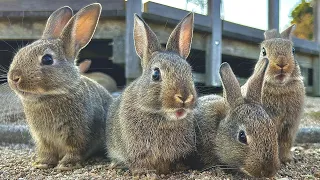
[(273, 14), (132, 66), (213, 50), (316, 62)]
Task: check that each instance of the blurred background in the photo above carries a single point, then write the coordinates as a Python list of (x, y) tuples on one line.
[(225, 31)]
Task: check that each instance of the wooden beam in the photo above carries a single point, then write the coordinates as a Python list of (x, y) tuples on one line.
[(213, 51), (273, 14), (316, 62), (49, 5), (133, 65)]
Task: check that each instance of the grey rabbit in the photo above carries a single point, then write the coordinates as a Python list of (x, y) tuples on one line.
[(283, 90), (150, 125), (66, 112), (236, 131)]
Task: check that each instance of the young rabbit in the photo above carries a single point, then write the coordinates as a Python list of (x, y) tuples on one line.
[(150, 125), (65, 111), (235, 130), (283, 90), (103, 79)]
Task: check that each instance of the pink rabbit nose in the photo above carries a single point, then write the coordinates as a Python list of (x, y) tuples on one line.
[(282, 65), (183, 99)]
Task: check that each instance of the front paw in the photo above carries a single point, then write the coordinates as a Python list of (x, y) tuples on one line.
[(41, 164), (286, 158), (69, 162), (68, 166)]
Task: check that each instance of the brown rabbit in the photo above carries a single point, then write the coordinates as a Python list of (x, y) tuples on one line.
[(65, 111), (235, 130), (103, 79), (150, 125), (283, 90)]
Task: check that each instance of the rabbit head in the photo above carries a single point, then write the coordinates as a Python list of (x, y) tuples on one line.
[(168, 86), (278, 48), (46, 67), (247, 137)]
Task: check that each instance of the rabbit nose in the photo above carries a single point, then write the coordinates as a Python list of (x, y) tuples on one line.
[(183, 99), (282, 65), (16, 77)]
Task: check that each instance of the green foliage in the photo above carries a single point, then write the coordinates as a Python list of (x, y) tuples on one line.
[(302, 16)]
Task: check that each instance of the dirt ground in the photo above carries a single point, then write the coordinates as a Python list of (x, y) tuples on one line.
[(16, 164)]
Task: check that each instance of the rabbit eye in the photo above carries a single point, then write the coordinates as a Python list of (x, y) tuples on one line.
[(242, 137), (47, 59), (293, 51), (156, 74), (264, 52)]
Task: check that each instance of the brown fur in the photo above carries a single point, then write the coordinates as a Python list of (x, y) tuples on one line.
[(142, 131), (65, 111), (103, 79), (219, 121), (282, 98)]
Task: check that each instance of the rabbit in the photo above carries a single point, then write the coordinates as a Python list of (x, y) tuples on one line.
[(103, 79), (66, 112), (283, 90), (149, 125), (236, 130)]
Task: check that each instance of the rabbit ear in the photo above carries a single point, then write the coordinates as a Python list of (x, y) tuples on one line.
[(80, 29), (270, 34), (145, 40), (181, 37), (255, 84), (231, 86), (56, 22), (287, 34), (84, 65)]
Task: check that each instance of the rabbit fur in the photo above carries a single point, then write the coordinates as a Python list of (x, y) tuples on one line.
[(235, 130), (283, 90), (66, 112), (150, 125)]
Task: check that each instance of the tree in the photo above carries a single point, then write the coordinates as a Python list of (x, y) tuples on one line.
[(302, 16)]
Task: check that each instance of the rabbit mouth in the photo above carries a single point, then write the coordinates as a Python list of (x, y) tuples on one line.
[(280, 78), (177, 114), (26, 94)]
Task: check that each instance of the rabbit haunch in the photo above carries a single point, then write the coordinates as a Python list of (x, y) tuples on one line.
[(65, 111), (150, 125)]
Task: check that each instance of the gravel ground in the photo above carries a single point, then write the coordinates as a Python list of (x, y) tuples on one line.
[(16, 164)]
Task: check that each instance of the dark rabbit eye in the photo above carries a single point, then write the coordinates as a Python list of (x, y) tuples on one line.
[(242, 137), (264, 52), (156, 74), (293, 51), (47, 59)]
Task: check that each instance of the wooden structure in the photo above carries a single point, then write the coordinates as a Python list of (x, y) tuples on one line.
[(217, 38)]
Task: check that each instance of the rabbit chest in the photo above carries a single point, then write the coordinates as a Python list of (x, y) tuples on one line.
[(284, 103), (56, 119), (160, 139)]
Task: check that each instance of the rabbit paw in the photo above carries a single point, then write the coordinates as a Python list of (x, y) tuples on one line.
[(43, 165), (69, 166), (69, 162), (287, 158)]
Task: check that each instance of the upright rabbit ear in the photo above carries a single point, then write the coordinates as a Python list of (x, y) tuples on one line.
[(80, 29), (231, 86), (56, 22), (270, 34), (287, 34), (145, 40), (84, 65), (181, 37), (255, 84)]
